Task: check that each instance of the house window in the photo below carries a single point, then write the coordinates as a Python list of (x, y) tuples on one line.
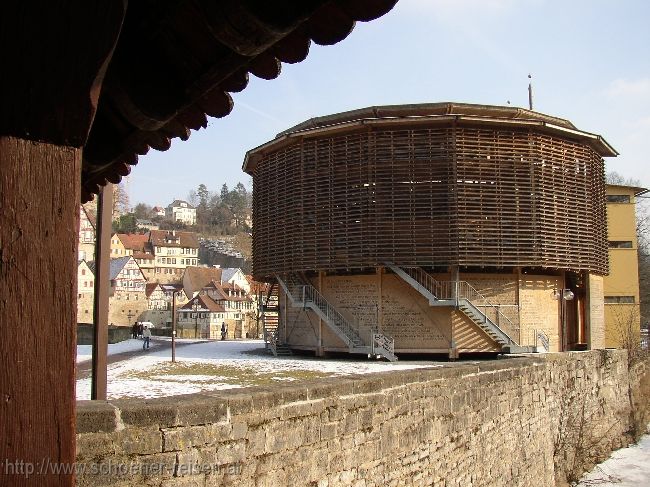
[(619, 300), (83, 272), (620, 244), (618, 198)]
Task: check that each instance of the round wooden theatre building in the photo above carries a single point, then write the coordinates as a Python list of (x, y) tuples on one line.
[(433, 228)]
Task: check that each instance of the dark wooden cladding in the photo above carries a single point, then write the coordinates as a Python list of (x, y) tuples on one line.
[(444, 195)]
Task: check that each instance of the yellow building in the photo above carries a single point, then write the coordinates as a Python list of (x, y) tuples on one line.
[(621, 286), (118, 249), (173, 251)]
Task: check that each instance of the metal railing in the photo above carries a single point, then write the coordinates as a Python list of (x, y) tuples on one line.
[(382, 344), (478, 300), (272, 339), (544, 339), (438, 289), (311, 295), (457, 290), (307, 296)]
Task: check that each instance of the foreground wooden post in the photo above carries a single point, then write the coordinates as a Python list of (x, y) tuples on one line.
[(39, 198), (102, 289), (58, 54)]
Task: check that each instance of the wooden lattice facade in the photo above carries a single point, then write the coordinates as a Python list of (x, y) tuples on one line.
[(495, 188)]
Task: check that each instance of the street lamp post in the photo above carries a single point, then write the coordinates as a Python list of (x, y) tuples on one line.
[(174, 293), (196, 307)]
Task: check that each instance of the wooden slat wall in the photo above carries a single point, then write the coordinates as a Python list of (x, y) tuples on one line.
[(454, 195)]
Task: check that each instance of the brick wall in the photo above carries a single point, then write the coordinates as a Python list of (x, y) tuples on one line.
[(505, 422)]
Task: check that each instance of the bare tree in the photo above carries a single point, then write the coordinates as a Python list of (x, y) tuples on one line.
[(120, 200), (628, 332), (613, 177)]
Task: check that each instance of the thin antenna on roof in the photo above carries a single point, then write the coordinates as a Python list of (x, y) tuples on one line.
[(530, 92)]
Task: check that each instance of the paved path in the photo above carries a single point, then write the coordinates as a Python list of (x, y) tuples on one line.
[(84, 369)]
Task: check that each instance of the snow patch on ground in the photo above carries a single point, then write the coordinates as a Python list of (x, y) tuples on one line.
[(627, 467), (85, 352), (221, 365)]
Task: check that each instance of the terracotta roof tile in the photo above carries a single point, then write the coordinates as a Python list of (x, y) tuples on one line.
[(173, 238), (207, 303)]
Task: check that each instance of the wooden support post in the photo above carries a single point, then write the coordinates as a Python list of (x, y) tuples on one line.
[(102, 290), (319, 349), (174, 326), (380, 314), (39, 221)]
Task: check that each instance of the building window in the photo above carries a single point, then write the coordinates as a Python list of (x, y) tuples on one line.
[(619, 300), (618, 198), (620, 244)]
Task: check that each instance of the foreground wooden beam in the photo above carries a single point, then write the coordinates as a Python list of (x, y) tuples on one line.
[(39, 198), (58, 52), (102, 289)]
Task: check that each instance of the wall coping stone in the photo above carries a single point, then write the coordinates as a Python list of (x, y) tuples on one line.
[(213, 407)]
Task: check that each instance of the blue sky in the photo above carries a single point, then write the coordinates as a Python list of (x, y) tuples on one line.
[(590, 61)]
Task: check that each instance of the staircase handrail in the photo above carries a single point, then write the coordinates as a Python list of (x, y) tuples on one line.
[(303, 293), (272, 340), (544, 338), (472, 295), (310, 293), (381, 343), (425, 280)]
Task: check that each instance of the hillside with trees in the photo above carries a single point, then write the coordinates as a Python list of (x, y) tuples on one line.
[(224, 214)]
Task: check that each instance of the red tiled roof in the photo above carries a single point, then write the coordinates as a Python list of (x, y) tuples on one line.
[(215, 286), (199, 277), (170, 238), (150, 287), (134, 241), (207, 303), (90, 215)]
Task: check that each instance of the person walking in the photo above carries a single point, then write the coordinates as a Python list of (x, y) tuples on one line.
[(146, 335), (224, 330), (134, 329)]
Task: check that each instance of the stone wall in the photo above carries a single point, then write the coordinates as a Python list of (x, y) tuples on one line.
[(517, 421), (125, 307)]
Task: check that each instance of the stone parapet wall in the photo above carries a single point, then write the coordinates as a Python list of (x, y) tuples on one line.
[(517, 421)]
